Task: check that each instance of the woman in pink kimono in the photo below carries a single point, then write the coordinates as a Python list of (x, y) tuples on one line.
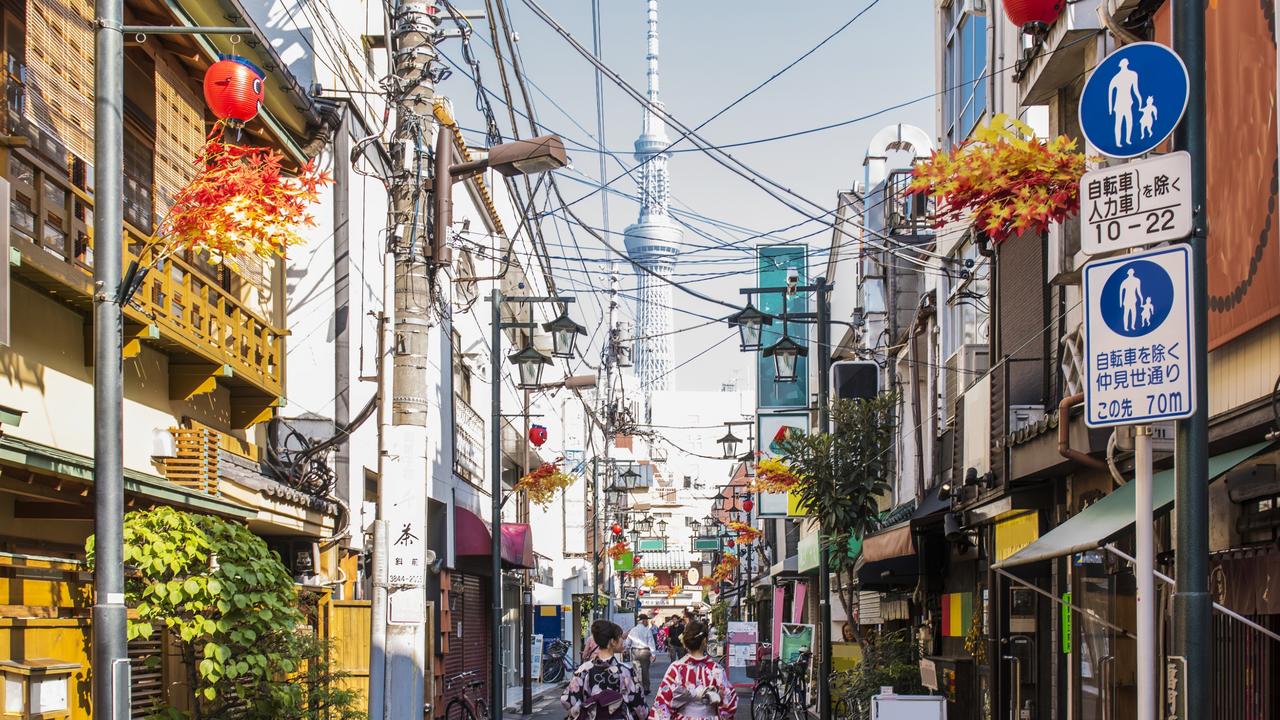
[(695, 686)]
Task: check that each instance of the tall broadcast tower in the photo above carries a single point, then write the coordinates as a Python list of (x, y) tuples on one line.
[(653, 240)]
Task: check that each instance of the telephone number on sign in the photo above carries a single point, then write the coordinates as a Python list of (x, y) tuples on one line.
[(1165, 403)]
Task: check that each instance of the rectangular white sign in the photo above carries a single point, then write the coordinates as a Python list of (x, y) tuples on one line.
[(1135, 204), (1138, 341)]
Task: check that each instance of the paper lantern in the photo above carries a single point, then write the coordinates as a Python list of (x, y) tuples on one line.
[(233, 88), (729, 542), (537, 435), (1024, 12), (616, 528), (748, 504)]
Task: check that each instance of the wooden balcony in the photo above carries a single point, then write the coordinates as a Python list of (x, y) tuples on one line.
[(211, 337)]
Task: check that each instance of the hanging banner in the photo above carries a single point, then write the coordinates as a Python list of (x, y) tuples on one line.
[(774, 264)]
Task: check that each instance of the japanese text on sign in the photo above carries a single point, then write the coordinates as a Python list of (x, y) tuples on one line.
[(1139, 203), (1137, 338)]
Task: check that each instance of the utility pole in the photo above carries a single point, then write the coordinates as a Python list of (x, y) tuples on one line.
[(110, 654), (1192, 609), (398, 663)]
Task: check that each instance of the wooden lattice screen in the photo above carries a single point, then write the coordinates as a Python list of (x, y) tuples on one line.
[(180, 131), (60, 61), (195, 464)]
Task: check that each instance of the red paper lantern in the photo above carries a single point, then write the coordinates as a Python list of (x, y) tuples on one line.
[(636, 558), (729, 542), (616, 528), (748, 504), (537, 435), (233, 88), (1024, 12)]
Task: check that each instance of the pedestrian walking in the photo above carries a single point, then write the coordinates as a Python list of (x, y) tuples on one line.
[(675, 631), (695, 687), (605, 687), (642, 644)]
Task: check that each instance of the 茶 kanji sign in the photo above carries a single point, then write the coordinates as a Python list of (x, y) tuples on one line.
[(1135, 204), (1138, 342)]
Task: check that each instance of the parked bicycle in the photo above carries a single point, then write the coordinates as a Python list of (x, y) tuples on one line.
[(557, 661), (781, 690), (470, 705)]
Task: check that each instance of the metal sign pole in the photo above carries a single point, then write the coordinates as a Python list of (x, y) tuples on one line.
[(1145, 573)]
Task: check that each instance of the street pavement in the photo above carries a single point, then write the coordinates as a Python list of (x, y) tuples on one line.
[(547, 706)]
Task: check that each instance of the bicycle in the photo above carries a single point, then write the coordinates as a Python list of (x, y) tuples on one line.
[(782, 689), (844, 705), (557, 664), (465, 706)]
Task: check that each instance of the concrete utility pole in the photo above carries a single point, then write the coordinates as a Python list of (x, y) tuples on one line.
[(398, 663)]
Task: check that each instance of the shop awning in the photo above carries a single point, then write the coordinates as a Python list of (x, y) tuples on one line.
[(891, 574), (1103, 520), (932, 509), (894, 542), (471, 538)]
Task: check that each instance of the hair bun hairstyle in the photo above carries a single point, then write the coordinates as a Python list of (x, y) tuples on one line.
[(695, 635)]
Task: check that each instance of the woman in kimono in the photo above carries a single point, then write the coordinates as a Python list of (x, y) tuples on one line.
[(604, 687), (695, 686)]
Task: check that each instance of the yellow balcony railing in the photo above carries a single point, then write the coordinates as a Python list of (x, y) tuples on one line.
[(210, 333)]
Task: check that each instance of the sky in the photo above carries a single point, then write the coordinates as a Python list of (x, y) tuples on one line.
[(712, 52)]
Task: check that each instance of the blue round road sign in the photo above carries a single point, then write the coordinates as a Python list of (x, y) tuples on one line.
[(1136, 298), (1134, 99)]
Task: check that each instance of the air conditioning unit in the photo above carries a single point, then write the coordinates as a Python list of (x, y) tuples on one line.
[(1021, 416), (964, 367)]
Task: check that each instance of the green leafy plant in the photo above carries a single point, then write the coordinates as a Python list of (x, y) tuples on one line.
[(218, 589), (888, 660), (720, 619), (843, 475)]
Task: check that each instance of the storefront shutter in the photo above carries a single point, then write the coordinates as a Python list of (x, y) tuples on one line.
[(60, 63)]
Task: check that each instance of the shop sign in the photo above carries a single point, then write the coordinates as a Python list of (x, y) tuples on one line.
[(1175, 683), (929, 674), (1066, 623), (1016, 533)]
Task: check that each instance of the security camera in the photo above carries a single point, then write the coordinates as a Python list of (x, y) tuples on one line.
[(793, 279)]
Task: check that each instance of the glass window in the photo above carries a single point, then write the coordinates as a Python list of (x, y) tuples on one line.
[(965, 98)]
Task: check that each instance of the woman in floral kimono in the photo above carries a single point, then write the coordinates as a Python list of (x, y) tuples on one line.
[(605, 687), (695, 686)]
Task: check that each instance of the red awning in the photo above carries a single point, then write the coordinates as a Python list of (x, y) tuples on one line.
[(471, 538)]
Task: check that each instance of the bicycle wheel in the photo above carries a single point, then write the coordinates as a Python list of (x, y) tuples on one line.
[(458, 710), (765, 704), (553, 672), (482, 710)]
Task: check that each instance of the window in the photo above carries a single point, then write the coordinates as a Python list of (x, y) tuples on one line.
[(966, 66), (15, 64)]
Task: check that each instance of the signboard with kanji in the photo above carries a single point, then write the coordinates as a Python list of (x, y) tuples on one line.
[(1138, 341), (1139, 203)]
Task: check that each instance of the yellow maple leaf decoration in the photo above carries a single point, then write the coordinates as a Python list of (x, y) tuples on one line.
[(1009, 180)]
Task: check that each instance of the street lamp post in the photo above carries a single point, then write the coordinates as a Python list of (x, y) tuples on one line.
[(530, 363), (786, 353)]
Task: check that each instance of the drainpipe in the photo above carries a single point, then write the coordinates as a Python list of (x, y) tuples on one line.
[(1064, 434)]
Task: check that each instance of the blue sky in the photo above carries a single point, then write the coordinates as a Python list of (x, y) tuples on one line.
[(712, 52)]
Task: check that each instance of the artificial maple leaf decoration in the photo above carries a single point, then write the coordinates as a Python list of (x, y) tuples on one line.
[(1007, 178), (240, 204), (542, 483)]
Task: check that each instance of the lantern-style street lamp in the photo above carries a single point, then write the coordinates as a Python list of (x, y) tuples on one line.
[(749, 322), (631, 478), (530, 362), (730, 444), (785, 353), (564, 335), (662, 528), (644, 525)]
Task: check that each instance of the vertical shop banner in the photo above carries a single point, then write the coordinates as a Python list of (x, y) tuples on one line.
[(772, 431), (779, 599), (797, 601), (774, 263)]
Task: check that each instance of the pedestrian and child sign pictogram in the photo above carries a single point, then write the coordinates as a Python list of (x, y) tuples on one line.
[(1134, 99), (1143, 202), (1138, 342)]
